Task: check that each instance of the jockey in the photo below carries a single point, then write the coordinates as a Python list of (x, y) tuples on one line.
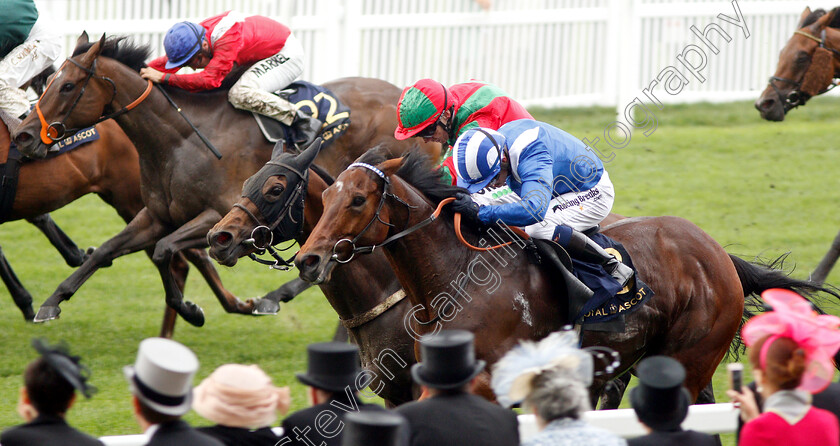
[(563, 188), (228, 39), (27, 47)]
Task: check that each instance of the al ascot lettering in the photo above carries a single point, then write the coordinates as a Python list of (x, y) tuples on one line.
[(613, 308), (81, 136)]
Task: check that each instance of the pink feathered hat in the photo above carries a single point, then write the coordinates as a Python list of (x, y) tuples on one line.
[(794, 318), (239, 395)]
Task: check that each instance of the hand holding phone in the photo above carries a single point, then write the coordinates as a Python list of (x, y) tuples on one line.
[(736, 373)]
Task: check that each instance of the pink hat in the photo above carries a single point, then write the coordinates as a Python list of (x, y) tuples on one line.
[(794, 318), (239, 395)]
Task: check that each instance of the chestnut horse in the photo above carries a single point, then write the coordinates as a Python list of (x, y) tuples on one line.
[(186, 190), (808, 64), (502, 298), (366, 294)]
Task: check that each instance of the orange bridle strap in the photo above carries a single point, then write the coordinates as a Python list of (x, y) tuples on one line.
[(517, 231)]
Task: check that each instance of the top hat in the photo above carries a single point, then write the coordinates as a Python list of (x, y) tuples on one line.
[(660, 400), (331, 366), (448, 360), (161, 377), (372, 428)]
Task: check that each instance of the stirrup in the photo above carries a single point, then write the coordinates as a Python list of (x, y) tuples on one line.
[(619, 271)]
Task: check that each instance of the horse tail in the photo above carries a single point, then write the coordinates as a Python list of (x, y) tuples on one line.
[(759, 276)]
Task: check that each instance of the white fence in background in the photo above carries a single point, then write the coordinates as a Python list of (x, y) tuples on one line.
[(709, 418), (543, 52)]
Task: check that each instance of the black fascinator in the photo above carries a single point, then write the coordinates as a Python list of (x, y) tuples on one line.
[(69, 367)]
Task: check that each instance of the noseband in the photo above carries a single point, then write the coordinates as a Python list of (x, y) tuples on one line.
[(797, 97), (50, 133)]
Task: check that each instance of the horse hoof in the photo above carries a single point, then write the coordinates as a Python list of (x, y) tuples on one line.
[(266, 307), (29, 314), (47, 313), (193, 314)]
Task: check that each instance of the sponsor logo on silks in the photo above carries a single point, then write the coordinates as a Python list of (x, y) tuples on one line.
[(497, 192), (71, 142), (593, 194), (266, 65)]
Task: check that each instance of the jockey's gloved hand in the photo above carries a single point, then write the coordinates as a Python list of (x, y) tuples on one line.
[(465, 205)]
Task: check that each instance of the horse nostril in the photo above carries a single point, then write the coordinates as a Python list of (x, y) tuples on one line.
[(23, 138), (222, 238), (311, 260), (767, 104)]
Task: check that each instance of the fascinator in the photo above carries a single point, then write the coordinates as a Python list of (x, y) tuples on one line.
[(794, 318), (68, 366), (238, 395), (513, 375)]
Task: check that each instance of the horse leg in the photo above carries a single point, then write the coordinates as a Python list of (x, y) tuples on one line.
[(614, 392), (68, 250), (270, 303), (230, 303), (180, 269), (22, 298), (141, 233), (819, 275)]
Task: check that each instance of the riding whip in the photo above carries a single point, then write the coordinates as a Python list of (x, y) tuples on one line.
[(178, 109)]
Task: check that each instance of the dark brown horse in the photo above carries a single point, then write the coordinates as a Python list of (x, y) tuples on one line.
[(186, 190), (808, 64), (366, 294), (503, 298)]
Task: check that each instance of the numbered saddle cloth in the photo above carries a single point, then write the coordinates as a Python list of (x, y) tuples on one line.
[(316, 100)]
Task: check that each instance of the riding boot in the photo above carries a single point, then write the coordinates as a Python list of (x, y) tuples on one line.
[(307, 127), (583, 248)]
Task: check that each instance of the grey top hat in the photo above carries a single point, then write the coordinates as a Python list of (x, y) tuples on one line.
[(660, 400), (162, 375), (373, 428), (331, 366), (448, 360)]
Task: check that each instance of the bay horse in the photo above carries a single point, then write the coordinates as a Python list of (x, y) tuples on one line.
[(186, 190), (807, 67), (502, 297), (365, 294)]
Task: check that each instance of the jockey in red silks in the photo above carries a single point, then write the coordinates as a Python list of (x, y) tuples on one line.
[(221, 42), (433, 112), (28, 45)]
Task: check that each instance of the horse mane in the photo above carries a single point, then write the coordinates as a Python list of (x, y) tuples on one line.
[(122, 49), (39, 82)]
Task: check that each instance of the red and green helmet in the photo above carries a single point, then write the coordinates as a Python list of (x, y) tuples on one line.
[(420, 106)]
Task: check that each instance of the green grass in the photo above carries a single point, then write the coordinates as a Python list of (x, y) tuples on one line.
[(758, 188)]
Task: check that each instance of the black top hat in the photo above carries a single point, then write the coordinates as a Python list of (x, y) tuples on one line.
[(660, 400), (331, 366), (372, 428), (448, 360)]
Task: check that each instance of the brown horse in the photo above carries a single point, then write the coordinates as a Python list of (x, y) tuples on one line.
[(808, 64), (503, 298), (366, 294), (186, 190)]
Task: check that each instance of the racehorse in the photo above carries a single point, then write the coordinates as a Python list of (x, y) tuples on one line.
[(366, 294), (186, 190), (502, 298), (808, 65)]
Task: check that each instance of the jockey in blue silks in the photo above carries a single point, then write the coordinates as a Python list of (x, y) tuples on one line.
[(563, 187)]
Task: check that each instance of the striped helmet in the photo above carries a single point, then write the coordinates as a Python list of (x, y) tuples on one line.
[(478, 157), (420, 106)]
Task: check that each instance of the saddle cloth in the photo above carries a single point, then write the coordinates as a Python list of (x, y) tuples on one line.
[(316, 100)]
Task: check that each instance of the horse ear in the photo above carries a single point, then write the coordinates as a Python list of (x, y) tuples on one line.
[(305, 159), (825, 21), (83, 39), (391, 166)]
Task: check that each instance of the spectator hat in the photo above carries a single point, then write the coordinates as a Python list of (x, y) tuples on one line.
[(162, 375), (372, 428), (448, 360), (660, 400), (331, 366)]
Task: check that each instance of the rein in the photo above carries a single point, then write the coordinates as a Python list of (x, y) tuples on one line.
[(796, 97), (51, 133)]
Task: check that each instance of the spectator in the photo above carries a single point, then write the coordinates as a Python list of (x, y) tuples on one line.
[(373, 429), (790, 349), (161, 382), (451, 415), (217, 44), (243, 402), (331, 374), (661, 403), (551, 378), (50, 384)]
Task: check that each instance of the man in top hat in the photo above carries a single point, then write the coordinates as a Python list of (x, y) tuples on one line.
[(332, 369), (452, 415), (161, 382), (661, 403), (373, 429), (50, 385)]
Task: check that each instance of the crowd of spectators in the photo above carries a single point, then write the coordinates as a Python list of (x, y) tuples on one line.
[(790, 350)]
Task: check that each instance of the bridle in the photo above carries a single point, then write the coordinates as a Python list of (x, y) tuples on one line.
[(796, 97), (51, 133)]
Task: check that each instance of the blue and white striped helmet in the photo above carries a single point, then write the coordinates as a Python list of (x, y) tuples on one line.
[(478, 158)]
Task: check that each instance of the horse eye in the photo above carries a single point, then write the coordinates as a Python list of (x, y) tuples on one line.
[(358, 200), (276, 190), (802, 58), (67, 87)]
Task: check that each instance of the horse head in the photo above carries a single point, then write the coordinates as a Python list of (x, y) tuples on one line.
[(356, 213), (270, 210), (80, 94), (808, 63)]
